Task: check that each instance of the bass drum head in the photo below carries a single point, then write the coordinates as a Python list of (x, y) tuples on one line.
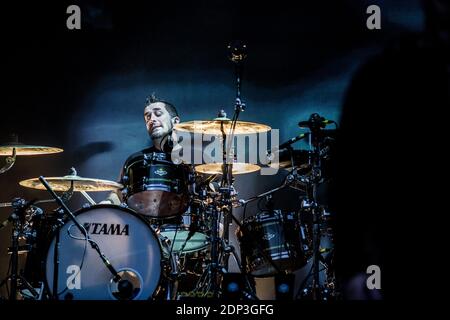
[(126, 240)]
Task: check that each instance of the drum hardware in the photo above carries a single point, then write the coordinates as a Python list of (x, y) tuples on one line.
[(9, 162), (237, 55), (220, 203), (315, 124), (172, 270), (15, 148), (18, 218), (10, 204), (123, 285)]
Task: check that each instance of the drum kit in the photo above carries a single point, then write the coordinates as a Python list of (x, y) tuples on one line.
[(169, 239)]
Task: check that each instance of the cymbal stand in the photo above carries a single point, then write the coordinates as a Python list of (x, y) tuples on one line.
[(9, 204), (9, 162), (310, 203), (17, 217), (222, 206)]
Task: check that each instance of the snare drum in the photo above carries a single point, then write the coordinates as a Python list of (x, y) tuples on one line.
[(270, 242), (129, 243), (155, 186)]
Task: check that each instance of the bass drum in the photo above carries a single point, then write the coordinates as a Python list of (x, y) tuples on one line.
[(126, 240)]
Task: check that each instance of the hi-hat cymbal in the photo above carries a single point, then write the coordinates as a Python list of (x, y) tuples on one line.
[(214, 127), (216, 168), (6, 149), (79, 184)]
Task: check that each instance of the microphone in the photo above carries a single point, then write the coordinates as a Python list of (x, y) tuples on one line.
[(126, 285), (193, 228), (315, 121), (125, 289), (237, 51), (286, 144), (167, 144), (206, 182)]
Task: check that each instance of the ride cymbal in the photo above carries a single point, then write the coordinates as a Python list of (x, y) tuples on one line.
[(216, 168), (214, 127)]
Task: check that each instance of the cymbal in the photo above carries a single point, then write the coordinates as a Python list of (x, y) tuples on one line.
[(213, 127), (6, 149), (216, 168), (79, 184)]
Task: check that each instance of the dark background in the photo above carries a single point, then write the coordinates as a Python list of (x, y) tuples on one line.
[(84, 90)]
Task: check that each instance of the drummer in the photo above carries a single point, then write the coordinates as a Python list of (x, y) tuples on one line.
[(160, 117)]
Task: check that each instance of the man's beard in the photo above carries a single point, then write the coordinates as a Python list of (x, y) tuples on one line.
[(157, 135)]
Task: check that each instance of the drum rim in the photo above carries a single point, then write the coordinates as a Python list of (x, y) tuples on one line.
[(184, 227), (140, 159), (111, 206), (184, 198), (278, 214)]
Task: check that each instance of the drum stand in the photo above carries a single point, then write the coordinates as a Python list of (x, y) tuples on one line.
[(310, 204), (222, 202), (9, 162), (210, 282), (226, 190), (16, 280)]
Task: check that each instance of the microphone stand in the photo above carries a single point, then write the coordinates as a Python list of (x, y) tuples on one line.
[(237, 54), (94, 245), (311, 203)]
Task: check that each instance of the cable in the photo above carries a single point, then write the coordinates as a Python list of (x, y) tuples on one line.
[(310, 273), (173, 243), (9, 270), (245, 208), (86, 239)]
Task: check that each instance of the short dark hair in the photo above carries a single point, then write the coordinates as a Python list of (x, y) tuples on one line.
[(169, 107)]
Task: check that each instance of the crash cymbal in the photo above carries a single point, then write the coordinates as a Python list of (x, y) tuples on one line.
[(216, 168), (6, 149), (214, 127), (79, 184)]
